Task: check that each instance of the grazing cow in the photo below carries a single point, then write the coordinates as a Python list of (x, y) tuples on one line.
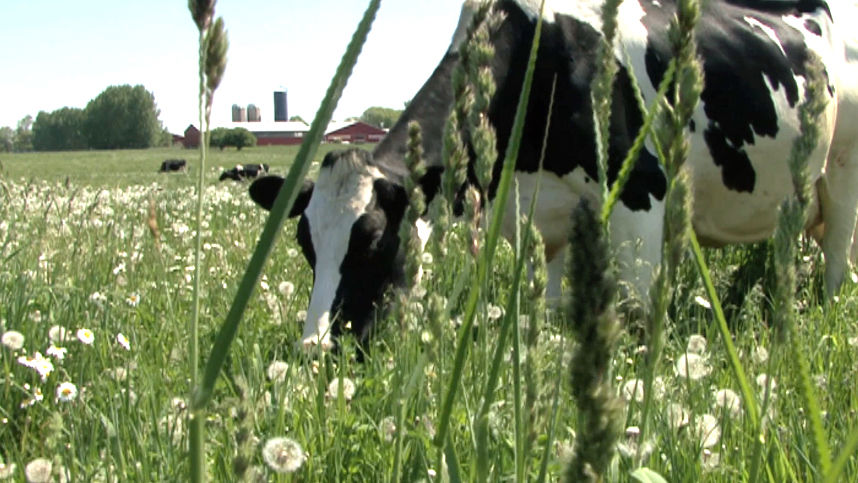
[(754, 57), (170, 165), (246, 171)]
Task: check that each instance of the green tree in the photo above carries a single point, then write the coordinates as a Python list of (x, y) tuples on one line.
[(24, 134), (122, 117), (381, 117), (59, 130), (241, 137), (219, 137), (7, 139)]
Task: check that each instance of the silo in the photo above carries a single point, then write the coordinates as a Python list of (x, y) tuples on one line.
[(253, 113), (239, 114), (281, 112)]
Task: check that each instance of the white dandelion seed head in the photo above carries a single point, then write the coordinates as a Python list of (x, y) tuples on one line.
[(388, 429), (286, 288), (727, 399), (123, 341), (283, 455), (707, 430), (633, 390), (301, 315), (692, 366), (760, 355), (291, 253), (703, 302), (13, 340), (277, 371), (39, 470), (7, 470), (85, 336), (348, 388), (494, 312), (710, 460), (696, 344), (763, 381), (426, 258), (36, 316), (66, 392), (58, 334), (677, 416), (852, 341)]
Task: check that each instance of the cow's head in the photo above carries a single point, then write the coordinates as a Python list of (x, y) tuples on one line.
[(348, 232)]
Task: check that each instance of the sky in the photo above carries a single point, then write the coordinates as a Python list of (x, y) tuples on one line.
[(58, 53)]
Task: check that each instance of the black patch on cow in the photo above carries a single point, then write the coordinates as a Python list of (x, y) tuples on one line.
[(813, 27), (373, 261), (264, 191), (739, 63), (567, 52)]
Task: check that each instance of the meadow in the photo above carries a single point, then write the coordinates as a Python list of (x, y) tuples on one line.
[(95, 383)]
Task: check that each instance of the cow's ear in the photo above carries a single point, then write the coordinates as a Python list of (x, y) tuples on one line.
[(391, 197), (264, 191)]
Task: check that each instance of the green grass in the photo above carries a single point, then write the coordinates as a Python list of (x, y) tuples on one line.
[(59, 245)]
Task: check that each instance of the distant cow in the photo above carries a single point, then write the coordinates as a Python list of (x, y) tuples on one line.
[(754, 58), (246, 171), (171, 165)]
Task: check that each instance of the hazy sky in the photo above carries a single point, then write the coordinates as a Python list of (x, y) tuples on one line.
[(57, 53)]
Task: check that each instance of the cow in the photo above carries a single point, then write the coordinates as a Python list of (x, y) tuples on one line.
[(246, 171), (754, 57), (172, 165)]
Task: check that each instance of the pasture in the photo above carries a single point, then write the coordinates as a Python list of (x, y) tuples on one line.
[(100, 302)]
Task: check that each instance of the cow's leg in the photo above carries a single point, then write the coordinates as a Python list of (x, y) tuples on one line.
[(555, 276), (636, 238), (838, 198)]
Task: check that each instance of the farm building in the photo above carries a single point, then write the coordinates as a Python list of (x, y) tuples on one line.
[(192, 137), (354, 133), (292, 132)]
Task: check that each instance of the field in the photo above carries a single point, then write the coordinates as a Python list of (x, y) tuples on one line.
[(96, 380)]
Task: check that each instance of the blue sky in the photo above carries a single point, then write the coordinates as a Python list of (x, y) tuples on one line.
[(58, 53)]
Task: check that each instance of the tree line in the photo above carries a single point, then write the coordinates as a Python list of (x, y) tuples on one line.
[(121, 117)]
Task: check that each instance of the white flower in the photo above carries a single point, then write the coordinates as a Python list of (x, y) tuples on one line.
[(277, 371), (729, 400), (706, 428), (7, 470), (38, 363), (58, 334), (692, 366), (348, 388), (763, 381), (98, 298), (66, 392), (388, 429), (677, 416), (283, 455), (760, 355), (36, 316), (291, 253), (85, 336), (696, 344), (426, 258), (13, 340), (58, 353), (133, 300), (494, 312), (119, 268), (37, 397), (701, 301), (286, 289), (633, 390), (123, 341), (301, 315), (39, 470)]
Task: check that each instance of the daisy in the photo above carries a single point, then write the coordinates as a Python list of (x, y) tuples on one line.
[(66, 392), (58, 353), (283, 455), (133, 300), (85, 336), (123, 341), (13, 340)]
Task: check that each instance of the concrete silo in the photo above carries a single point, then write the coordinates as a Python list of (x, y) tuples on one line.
[(281, 112), (253, 113), (239, 114)]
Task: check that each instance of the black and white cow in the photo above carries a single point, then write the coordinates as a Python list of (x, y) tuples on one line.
[(753, 54), (244, 171), (170, 165)]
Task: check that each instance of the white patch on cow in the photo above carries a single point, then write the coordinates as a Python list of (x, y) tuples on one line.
[(461, 34), (636, 237), (630, 49), (768, 31), (340, 196)]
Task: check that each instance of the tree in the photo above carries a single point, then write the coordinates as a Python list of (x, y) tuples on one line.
[(24, 134), (59, 130), (122, 117), (239, 137), (219, 137), (7, 139), (381, 117)]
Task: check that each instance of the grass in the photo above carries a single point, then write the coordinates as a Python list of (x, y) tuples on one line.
[(62, 244)]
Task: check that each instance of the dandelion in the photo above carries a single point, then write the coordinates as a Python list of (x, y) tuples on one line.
[(277, 371), (760, 355), (58, 353), (39, 470), (696, 344), (301, 315), (348, 388), (133, 300), (123, 341), (763, 381), (426, 258), (66, 392), (706, 428), (7, 470), (692, 366), (58, 334), (701, 301), (286, 289), (85, 336), (494, 312), (710, 460), (388, 429), (283, 455), (36, 316), (13, 340), (291, 253), (633, 390), (98, 298), (677, 416), (729, 400)]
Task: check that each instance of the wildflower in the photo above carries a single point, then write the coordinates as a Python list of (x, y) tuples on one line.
[(426, 258), (692, 366), (7, 470), (277, 371), (38, 363), (263, 285), (348, 388), (854, 277), (39, 470), (711, 460), (133, 299), (677, 416), (494, 312), (58, 334), (763, 381), (98, 298), (286, 288), (66, 392), (760, 355), (36, 316), (283, 455), (388, 429), (291, 253), (58, 353), (13, 340), (301, 315), (701, 301), (706, 428), (123, 341), (119, 268), (696, 344), (37, 397), (85, 336), (729, 400), (633, 390)]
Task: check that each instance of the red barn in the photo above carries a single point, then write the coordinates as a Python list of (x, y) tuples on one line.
[(192, 137), (354, 133)]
